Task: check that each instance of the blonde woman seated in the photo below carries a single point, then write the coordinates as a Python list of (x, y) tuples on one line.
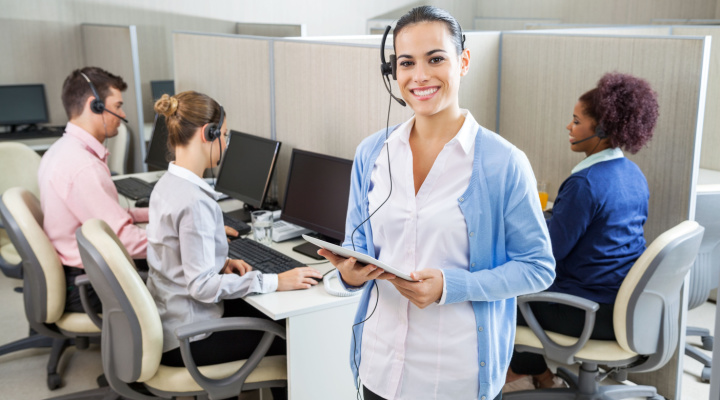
[(191, 279)]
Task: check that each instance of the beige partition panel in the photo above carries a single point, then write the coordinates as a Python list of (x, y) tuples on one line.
[(605, 30), (479, 88), (710, 154), (509, 24), (234, 70), (328, 98), (542, 77), (114, 48), (274, 30), (29, 57)]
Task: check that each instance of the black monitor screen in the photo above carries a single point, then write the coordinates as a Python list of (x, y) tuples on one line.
[(158, 155), (23, 104), (159, 88), (247, 168), (316, 197)]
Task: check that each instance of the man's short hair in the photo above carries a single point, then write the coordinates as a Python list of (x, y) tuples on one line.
[(76, 90)]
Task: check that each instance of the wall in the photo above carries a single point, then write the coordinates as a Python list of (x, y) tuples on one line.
[(594, 11)]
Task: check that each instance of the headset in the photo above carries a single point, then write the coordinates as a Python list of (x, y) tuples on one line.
[(213, 131), (389, 68), (599, 133), (97, 106)]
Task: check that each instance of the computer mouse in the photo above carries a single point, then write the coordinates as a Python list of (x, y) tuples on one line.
[(142, 202)]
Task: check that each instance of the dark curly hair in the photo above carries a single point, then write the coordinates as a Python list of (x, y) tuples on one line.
[(625, 107)]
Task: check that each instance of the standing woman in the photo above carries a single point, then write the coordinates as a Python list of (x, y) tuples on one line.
[(190, 278), (458, 208), (598, 216)]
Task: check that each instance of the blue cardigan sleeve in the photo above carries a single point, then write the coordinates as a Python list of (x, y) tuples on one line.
[(527, 265)]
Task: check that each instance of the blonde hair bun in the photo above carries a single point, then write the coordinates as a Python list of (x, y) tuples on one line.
[(166, 105)]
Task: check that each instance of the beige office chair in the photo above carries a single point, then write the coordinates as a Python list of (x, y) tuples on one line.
[(646, 319), (19, 165), (118, 147), (132, 336), (44, 286)]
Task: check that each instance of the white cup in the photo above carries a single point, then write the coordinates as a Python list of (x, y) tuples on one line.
[(262, 224)]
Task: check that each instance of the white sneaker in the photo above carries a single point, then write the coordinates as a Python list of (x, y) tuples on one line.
[(524, 383)]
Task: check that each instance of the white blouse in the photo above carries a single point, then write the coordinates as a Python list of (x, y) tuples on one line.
[(187, 249), (407, 352)]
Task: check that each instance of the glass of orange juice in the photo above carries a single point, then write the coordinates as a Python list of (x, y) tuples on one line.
[(542, 191)]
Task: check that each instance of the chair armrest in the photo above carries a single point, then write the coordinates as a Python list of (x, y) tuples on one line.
[(83, 283), (553, 350), (232, 385)]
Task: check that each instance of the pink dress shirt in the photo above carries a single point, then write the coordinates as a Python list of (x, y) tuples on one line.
[(75, 186)]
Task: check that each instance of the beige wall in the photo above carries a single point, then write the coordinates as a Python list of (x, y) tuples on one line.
[(593, 11), (29, 57)]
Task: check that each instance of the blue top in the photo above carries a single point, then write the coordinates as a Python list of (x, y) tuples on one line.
[(597, 228), (510, 251)]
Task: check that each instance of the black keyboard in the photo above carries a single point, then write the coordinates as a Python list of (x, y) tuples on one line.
[(134, 188), (261, 257), (236, 224)]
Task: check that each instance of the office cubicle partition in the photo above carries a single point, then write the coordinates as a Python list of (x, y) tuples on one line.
[(544, 74), (115, 49), (29, 57), (710, 155), (232, 69), (270, 30), (509, 24)]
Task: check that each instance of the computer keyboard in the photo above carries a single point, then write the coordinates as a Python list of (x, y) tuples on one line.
[(261, 257), (236, 224), (134, 188)]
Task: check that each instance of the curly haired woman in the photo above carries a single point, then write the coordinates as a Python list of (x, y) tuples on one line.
[(597, 221)]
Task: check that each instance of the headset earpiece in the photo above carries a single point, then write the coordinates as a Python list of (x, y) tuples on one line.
[(97, 106), (214, 130), (393, 66), (600, 132)]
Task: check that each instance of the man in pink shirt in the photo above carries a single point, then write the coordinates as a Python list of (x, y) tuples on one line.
[(74, 178)]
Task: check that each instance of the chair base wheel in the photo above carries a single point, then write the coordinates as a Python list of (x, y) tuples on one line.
[(705, 374), (54, 381), (707, 342)]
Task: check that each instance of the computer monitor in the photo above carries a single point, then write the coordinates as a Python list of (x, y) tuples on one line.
[(316, 196), (23, 104), (246, 170), (159, 88), (158, 154)]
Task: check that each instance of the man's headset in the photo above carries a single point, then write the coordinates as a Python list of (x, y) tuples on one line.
[(97, 106), (214, 131), (599, 133)]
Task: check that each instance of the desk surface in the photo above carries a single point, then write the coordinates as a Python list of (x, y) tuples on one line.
[(278, 305)]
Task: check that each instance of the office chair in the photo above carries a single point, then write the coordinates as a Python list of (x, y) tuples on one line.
[(132, 336), (44, 286), (704, 274), (646, 318), (19, 165), (118, 147)]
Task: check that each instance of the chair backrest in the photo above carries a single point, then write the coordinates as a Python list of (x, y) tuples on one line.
[(118, 147), (704, 276), (647, 307), (44, 288), (19, 165), (132, 332)]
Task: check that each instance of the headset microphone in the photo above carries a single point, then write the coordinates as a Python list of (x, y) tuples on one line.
[(389, 68), (599, 132), (582, 140), (121, 118)]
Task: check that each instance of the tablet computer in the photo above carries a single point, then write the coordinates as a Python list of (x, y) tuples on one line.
[(363, 258)]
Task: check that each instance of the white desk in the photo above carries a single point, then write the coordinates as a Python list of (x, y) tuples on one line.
[(318, 327)]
